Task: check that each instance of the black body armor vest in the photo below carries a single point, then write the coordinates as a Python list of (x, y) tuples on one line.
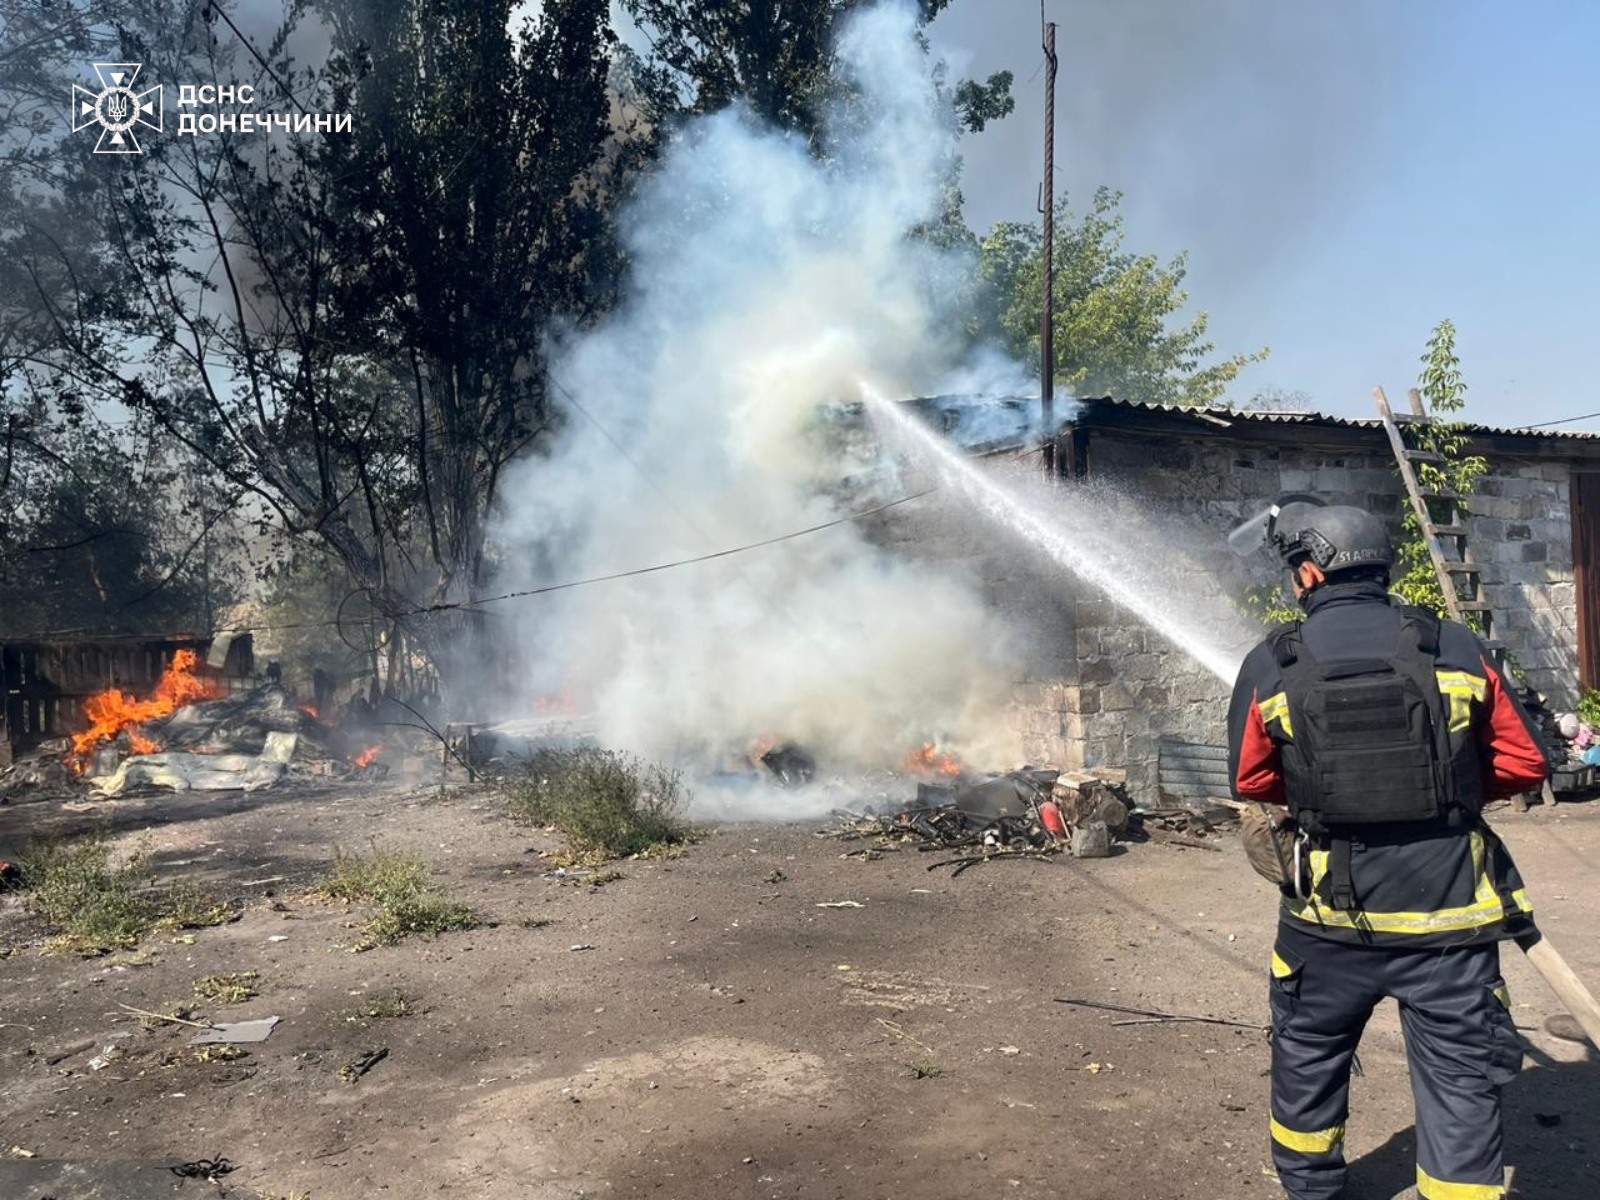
[(1371, 741)]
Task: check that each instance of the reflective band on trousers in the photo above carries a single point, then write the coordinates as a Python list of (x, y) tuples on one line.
[(1437, 1189), (1324, 1141), (1485, 909)]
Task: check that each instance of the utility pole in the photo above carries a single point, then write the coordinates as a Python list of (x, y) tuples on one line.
[(1047, 205)]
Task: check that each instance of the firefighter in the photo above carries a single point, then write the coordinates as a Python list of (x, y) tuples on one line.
[(1376, 733)]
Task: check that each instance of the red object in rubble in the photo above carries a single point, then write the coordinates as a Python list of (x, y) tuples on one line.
[(1050, 814)]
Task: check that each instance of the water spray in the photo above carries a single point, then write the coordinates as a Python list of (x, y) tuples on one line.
[(1073, 533)]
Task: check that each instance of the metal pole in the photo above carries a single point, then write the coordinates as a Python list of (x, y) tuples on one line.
[(1047, 349)]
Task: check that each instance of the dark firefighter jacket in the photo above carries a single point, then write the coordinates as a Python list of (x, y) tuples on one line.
[(1445, 884)]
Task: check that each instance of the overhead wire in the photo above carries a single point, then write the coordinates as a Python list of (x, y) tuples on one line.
[(566, 585)]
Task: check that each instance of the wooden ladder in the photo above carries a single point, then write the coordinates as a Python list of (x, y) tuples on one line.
[(1444, 530), (1443, 522)]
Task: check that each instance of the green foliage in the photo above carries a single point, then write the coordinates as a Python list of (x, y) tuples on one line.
[(779, 59), (1113, 310), (186, 905), (401, 886), (348, 331), (96, 906), (603, 802), (1269, 604), (1443, 391), (1589, 708)]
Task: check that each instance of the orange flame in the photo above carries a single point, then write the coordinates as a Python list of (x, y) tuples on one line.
[(368, 756), (928, 759), (112, 711), (311, 711)]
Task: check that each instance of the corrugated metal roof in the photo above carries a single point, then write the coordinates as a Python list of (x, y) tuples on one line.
[(1217, 416)]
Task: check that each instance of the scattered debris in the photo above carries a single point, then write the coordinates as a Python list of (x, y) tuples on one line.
[(243, 1032), (393, 1006), (580, 947), (220, 1052), (178, 1016), (209, 1169), (1092, 839), (901, 1033), (1029, 813), (234, 988), (355, 1069), (840, 904), (1159, 1017), (790, 765)]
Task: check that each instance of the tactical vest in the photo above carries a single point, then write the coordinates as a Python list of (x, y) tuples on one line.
[(1371, 743)]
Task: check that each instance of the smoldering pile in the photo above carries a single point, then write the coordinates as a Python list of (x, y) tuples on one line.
[(1032, 813)]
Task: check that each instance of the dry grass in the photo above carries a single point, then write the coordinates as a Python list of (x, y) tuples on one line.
[(228, 989), (391, 1007), (401, 886)]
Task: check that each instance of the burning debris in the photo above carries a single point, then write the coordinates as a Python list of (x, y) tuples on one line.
[(114, 715), (190, 733), (1030, 813)]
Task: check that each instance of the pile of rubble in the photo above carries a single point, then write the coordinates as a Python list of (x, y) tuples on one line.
[(1029, 813)]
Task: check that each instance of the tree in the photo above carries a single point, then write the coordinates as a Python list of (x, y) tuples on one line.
[(777, 58), (100, 540), (348, 329), (1113, 310), (1443, 391)]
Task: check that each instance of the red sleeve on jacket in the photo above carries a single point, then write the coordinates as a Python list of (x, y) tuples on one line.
[(1514, 762), (1259, 775)]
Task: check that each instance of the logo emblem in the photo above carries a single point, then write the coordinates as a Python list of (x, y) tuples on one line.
[(116, 108)]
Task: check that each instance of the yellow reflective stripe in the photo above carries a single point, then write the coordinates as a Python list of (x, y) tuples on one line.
[(1473, 685), (1280, 969), (1483, 891), (1461, 688), (1276, 708), (1503, 994), (1437, 1189), (1485, 908), (1323, 1141), (1445, 920)]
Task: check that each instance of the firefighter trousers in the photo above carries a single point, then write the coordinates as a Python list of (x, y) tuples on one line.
[(1460, 1041)]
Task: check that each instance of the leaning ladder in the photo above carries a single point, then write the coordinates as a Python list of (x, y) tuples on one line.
[(1444, 530), (1443, 522)]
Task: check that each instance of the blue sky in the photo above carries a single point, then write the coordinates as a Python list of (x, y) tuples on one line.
[(1343, 176)]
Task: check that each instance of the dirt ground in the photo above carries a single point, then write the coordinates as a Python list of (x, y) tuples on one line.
[(703, 1028)]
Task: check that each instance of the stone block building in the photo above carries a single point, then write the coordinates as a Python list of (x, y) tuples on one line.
[(1105, 689)]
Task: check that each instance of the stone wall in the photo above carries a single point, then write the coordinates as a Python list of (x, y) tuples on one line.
[(1522, 534)]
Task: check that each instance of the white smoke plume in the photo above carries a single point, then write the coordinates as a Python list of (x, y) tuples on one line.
[(767, 288)]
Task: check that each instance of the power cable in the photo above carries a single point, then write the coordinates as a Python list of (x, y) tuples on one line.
[(847, 519), (1562, 421)]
